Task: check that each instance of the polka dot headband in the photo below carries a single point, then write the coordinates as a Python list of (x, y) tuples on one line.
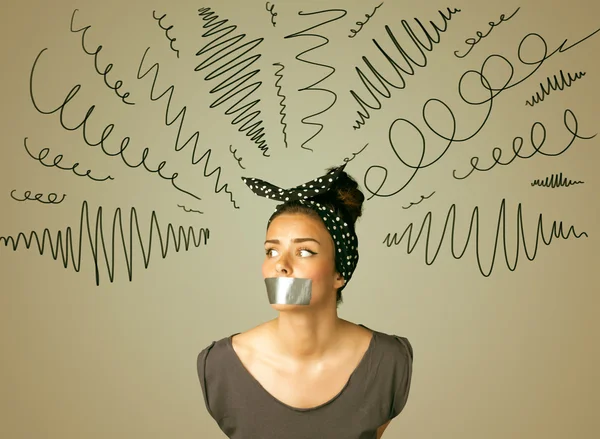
[(343, 235)]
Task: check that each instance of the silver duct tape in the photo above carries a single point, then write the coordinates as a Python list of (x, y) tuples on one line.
[(288, 290)]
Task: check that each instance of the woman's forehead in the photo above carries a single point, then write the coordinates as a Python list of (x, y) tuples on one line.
[(289, 225)]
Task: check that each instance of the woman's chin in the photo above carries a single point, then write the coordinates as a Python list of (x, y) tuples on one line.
[(288, 307)]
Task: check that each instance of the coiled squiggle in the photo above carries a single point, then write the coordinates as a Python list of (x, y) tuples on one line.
[(556, 232), (71, 252), (312, 87), (553, 86), (234, 81), (555, 181), (281, 102)]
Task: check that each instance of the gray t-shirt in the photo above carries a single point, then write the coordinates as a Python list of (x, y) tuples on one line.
[(376, 392)]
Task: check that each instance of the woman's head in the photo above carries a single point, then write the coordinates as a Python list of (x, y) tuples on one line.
[(315, 238)]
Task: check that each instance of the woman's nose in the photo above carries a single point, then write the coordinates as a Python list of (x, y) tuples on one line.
[(283, 267)]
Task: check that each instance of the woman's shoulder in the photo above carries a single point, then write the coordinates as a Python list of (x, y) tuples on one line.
[(391, 342)]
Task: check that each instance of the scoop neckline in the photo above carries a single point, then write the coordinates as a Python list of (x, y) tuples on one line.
[(308, 409)]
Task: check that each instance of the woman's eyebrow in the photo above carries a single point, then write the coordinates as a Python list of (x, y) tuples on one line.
[(295, 240)]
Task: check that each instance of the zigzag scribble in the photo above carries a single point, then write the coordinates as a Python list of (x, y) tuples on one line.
[(312, 87), (71, 252)]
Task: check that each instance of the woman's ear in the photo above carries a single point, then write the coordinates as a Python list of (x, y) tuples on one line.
[(339, 281)]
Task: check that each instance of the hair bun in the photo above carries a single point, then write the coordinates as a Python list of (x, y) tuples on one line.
[(346, 196)]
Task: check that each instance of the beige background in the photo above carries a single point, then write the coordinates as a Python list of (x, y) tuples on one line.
[(513, 354)]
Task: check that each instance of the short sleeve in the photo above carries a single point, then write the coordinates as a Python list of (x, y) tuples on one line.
[(201, 367), (402, 375)]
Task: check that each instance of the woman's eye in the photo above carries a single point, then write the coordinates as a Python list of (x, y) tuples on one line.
[(271, 252), (305, 253)]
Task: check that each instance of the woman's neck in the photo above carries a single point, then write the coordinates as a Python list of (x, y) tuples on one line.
[(307, 335)]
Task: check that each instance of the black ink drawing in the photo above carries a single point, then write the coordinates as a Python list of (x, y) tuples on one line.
[(557, 231), (340, 13), (354, 154), (238, 160), (234, 82), (408, 69), (52, 197), (189, 210), (281, 102), (166, 29), (56, 163), (106, 132), (537, 147), (118, 84), (418, 202), (70, 244), (273, 14), (556, 85), (555, 181), (472, 41), (445, 126), (353, 32), (195, 137)]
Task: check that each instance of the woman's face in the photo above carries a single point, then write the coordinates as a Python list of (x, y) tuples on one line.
[(299, 245)]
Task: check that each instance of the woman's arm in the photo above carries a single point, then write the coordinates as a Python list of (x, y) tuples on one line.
[(381, 429)]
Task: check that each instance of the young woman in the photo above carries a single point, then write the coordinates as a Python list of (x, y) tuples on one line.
[(307, 373)]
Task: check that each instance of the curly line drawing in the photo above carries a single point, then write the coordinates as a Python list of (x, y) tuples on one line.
[(71, 252), (418, 202), (281, 102), (557, 231), (313, 87), (235, 80)]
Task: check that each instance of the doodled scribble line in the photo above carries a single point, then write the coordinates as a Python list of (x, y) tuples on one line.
[(555, 181), (557, 231), (553, 86), (52, 197), (189, 210), (235, 82), (119, 83), (181, 116), (313, 87), (418, 202), (69, 246), (407, 69), (83, 126), (362, 23), (166, 29), (472, 41), (537, 140), (281, 102), (44, 153), (273, 14), (238, 160), (354, 154)]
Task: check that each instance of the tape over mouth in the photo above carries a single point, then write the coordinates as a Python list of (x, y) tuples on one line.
[(289, 290)]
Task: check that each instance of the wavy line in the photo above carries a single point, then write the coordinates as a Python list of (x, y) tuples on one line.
[(189, 210), (44, 153), (564, 82), (181, 115), (555, 181), (354, 154), (273, 14), (72, 252), (556, 232), (408, 60), (311, 87), (238, 160), (418, 202), (255, 131), (282, 100), (166, 29), (52, 197)]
